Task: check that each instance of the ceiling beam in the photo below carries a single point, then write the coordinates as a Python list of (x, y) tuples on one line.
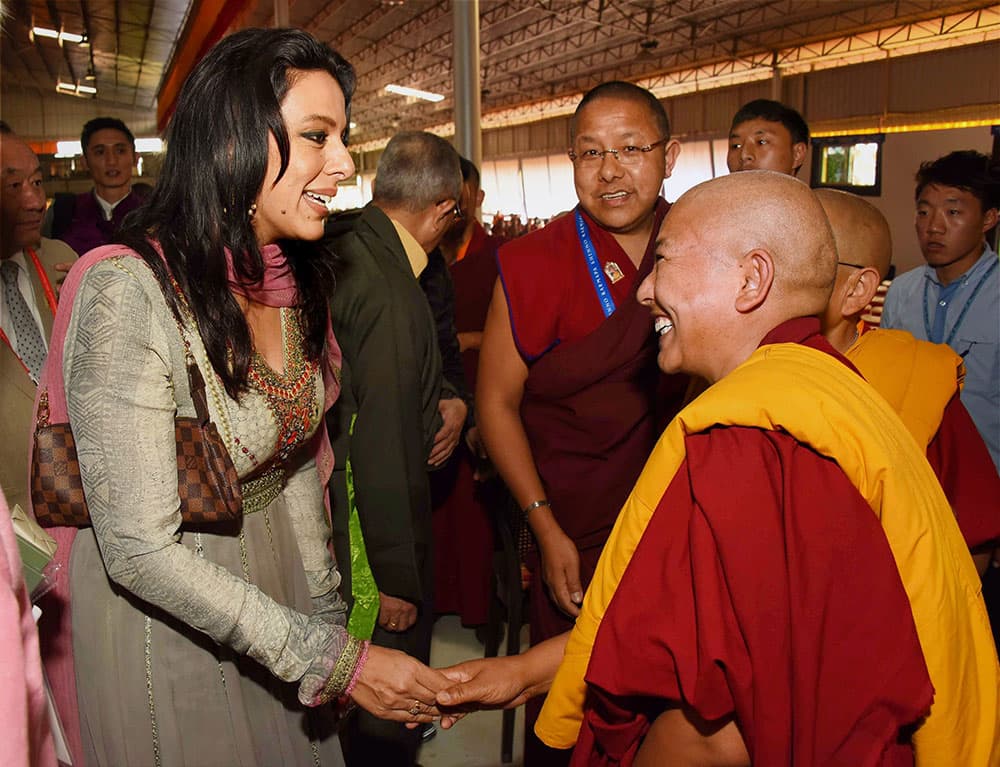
[(202, 30), (972, 27)]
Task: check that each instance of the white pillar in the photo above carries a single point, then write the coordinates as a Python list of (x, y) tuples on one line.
[(465, 67), (280, 13)]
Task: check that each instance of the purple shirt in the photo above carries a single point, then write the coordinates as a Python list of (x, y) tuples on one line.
[(89, 229)]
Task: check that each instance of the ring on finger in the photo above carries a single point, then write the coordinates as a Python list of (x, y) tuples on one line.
[(415, 708)]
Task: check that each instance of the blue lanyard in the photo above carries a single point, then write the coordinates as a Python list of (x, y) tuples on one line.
[(596, 274), (961, 317)]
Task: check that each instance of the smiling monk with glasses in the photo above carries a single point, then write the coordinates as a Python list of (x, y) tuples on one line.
[(564, 334)]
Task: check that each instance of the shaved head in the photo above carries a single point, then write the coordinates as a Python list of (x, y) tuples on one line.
[(864, 247), (736, 257), (773, 212), (860, 231)]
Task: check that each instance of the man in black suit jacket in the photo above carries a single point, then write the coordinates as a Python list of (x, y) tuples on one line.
[(394, 418)]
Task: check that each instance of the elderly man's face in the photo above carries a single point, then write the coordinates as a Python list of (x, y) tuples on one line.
[(686, 293), (22, 198), (621, 196)]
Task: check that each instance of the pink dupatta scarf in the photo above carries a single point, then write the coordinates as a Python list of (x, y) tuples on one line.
[(24, 726), (277, 289)]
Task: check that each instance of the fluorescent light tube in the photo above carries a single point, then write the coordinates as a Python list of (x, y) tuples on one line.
[(148, 145), (402, 90), (75, 89), (57, 34), (68, 148)]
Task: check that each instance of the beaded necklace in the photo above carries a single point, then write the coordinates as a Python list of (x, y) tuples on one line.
[(291, 396)]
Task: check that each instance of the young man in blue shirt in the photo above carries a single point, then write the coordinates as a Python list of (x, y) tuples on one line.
[(955, 298)]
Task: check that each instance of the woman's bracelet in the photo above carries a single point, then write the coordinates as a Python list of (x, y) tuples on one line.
[(342, 672), (532, 506), (345, 703), (362, 657)]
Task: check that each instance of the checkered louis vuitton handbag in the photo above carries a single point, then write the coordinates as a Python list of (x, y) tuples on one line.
[(207, 483)]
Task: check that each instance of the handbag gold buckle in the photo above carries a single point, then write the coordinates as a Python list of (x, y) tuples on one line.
[(43, 411)]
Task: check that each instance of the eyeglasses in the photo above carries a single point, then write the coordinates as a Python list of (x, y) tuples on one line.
[(853, 266), (626, 155), (455, 213)]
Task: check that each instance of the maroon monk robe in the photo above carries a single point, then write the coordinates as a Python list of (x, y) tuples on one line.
[(589, 400), (473, 278), (463, 532), (963, 466), (777, 600), (550, 293)]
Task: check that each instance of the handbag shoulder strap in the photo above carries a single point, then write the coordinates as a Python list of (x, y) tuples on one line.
[(197, 384), (196, 381)]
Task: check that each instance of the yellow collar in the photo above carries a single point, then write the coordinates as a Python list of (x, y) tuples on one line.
[(416, 255)]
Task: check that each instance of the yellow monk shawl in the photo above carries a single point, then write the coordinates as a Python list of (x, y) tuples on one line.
[(918, 378), (822, 403)]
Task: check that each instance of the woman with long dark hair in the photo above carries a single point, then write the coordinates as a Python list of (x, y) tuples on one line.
[(220, 645)]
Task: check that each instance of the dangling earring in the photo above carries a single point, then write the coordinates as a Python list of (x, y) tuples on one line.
[(253, 210)]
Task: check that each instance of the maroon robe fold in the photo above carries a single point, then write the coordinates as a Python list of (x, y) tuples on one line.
[(463, 539), (965, 469), (473, 278)]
